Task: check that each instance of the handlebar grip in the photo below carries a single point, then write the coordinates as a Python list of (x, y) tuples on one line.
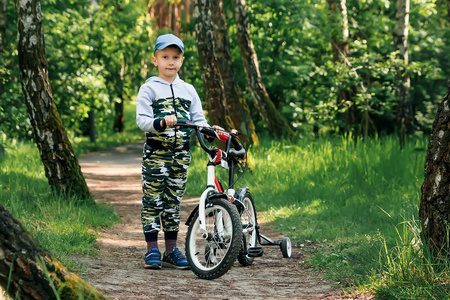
[(236, 144), (208, 131)]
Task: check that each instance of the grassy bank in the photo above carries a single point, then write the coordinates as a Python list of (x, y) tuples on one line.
[(62, 226), (355, 203)]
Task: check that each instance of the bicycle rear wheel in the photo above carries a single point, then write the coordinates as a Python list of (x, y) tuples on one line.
[(212, 254), (248, 220)]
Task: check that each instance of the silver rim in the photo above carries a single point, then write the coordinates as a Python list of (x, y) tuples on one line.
[(209, 252), (248, 220)]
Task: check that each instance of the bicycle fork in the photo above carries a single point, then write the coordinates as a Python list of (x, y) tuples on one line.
[(211, 186)]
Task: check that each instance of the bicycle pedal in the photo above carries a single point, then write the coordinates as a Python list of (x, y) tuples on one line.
[(255, 251)]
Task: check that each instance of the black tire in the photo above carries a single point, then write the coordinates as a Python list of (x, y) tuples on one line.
[(286, 247), (212, 257), (248, 220)]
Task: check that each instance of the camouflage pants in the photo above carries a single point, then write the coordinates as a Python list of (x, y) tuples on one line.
[(164, 175)]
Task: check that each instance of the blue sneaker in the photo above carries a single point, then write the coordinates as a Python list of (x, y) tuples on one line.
[(153, 259), (175, 259)]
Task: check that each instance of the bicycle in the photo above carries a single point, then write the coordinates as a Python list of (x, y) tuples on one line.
[(223, 227)]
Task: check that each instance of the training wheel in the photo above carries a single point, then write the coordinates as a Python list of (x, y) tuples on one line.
[(286, 248)]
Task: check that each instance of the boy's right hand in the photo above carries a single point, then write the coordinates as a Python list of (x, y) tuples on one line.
[(170, 120)]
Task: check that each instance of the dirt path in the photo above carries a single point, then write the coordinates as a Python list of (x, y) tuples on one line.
[(113, 176)]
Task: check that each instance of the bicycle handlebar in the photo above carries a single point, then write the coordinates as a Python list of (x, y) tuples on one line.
[(223, 135)]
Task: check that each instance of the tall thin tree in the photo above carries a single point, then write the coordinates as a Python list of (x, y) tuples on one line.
[(405, 118), (61, 165), (266, 108), (209, 66), (238, 108), (434, 211), (341, 51)]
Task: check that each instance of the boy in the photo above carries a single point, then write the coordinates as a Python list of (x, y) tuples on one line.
[(166, 156)]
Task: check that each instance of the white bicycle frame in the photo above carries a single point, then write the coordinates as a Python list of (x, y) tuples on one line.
[(211, 186)]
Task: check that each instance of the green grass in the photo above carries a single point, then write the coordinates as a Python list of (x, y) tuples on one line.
[(350, 200), (353, 204), (131, 134), (64, 227)]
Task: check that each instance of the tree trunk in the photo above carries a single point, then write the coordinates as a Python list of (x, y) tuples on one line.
[(162, 15), (30, 272), (341, 51), (170, 16), (61, 165), (209, 66), (176, 19), (434, 211), (188, 11), (267, 110), (238, 108), (405, 118), (119, 105)]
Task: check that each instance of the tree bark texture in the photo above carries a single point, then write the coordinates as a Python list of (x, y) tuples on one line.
[(119, 103), (23, 262), (434, 211), (238, 108), (341, 51), (209, 66), (267, 110), (405, 117), (61, 165)]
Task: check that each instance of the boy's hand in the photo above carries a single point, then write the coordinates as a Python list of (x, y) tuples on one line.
[(171, 120), (217, 128)]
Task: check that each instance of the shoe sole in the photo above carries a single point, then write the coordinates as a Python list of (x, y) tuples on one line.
[(169, 265), (154, 267)]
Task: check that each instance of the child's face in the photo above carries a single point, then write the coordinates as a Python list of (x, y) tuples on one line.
[(168, 61)]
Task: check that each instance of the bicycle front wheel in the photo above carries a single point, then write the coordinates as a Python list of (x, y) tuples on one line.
[(211, 254)]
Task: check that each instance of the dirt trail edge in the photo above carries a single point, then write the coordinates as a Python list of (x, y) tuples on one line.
[(114, 177)]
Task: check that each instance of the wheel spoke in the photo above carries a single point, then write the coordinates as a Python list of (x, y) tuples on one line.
[(222, 231)]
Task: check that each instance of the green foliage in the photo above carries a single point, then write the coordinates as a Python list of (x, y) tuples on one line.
[(96, 56), (100, 55), (293, 40), (62, 226), (13, 115), (351, 205), (408, 270)]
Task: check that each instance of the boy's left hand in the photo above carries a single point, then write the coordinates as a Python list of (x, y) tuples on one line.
[(218, 129)]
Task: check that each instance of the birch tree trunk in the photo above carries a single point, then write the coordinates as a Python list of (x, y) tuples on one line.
[(238, 108), (23, 262), (267, 110), (61, 165), (434, 211), (405, 117), (341, 52), (209, 66)]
